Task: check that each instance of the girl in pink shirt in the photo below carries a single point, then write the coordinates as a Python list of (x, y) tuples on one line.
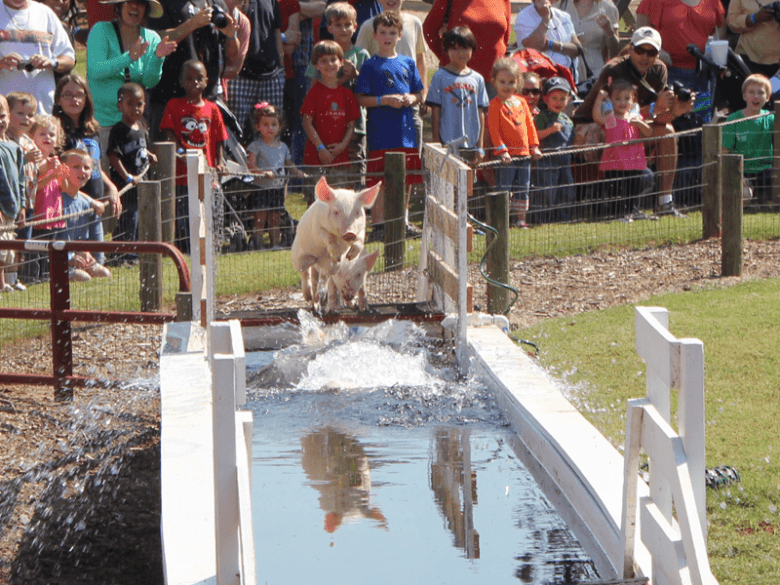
[(622, 165)]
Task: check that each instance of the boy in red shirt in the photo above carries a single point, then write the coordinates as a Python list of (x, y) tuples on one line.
[(329, 113), (192, 122)]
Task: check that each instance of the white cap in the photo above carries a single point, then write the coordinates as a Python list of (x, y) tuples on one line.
[(646, 36)]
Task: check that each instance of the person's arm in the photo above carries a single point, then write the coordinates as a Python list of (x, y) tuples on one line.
[(292, 36), (112, 194), (432, 26), (339, 147), (279, 46), (100, 67), (198, 20), (598, 116), (234, 66), (549, 131), (741, 19), (643, 127), (313, 10), (435, 123), (537, 39), (323, 152)]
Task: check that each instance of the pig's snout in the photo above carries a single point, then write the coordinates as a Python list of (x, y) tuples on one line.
[(349, 237), (348, 295)]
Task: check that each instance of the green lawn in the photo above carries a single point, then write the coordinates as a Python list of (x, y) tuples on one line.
[(595, 354)]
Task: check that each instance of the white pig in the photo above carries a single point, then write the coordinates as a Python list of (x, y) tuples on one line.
[(334, 227), (349, 280)]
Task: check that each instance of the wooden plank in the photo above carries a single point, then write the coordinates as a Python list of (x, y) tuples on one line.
[(443, 221), (652, 334), (691, 420), (659, 537), (245, 521), (434, 155), (443, 275), (630, 477)]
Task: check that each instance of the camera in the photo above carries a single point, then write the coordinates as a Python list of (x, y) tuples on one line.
[(681, 92), (25, 65), (218, 17)]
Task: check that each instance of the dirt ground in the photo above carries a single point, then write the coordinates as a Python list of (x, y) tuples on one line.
[(79, 481)]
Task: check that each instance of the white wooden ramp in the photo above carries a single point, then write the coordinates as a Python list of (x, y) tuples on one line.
[(577, 468), (187, 455)]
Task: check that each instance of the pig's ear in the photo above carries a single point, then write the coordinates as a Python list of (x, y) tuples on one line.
[(370, 260), (368, 197), (323, 190)]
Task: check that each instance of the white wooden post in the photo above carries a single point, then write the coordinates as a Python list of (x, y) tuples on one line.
[(461, 347), (193, 205)]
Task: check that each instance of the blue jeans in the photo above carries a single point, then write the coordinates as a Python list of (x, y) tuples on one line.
[(553, 178), (515, 178)]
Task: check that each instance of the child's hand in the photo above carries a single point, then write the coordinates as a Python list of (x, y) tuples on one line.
[(408, 100), (557, 127), (394, 101), (99, 207), (33, 155), (325, 156), (82, 260), (62, 170), (152, 157), (21, 219), (349, 69), (506, 158), (536, 154)]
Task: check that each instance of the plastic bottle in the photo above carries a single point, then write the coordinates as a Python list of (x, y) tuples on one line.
[(608, 110), (634, 113)]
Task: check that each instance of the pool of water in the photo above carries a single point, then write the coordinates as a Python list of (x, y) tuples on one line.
[(373, 464)]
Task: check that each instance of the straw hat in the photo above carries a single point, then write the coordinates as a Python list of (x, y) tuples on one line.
[(155, 8)]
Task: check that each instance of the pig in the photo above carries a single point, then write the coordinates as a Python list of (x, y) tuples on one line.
[(349, 280), (334, 227)]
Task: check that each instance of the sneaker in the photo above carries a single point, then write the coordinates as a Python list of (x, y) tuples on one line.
[(8, 288), (19, 286), (521, 224), (626, 219), (669, 209), (637, 214)]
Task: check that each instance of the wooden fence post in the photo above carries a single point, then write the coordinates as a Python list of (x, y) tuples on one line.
[(395, 209), (165, 172), (731, 260), (497, 207), (712, 138), (150, 230)]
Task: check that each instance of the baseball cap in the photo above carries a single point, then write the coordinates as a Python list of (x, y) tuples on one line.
[(646, 36), (556, 83)]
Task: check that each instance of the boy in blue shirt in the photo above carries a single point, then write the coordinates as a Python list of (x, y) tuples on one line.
[(388, 86), (458, 97), (12, 194)]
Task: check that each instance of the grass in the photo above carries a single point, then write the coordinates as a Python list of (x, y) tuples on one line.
[(595, 354)]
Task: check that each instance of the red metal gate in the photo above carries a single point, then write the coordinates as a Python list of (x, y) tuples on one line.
[(61, 315)]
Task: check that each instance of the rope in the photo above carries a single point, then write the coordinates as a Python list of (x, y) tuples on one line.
[(38, 222)]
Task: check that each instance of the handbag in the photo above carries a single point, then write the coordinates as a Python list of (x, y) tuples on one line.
[(584, 87), (121, 49)]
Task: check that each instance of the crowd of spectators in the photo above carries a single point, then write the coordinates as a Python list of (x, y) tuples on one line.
[(174, 68)]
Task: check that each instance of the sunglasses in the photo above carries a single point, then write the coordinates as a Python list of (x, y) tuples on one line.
[(649, 52), (531, 91)]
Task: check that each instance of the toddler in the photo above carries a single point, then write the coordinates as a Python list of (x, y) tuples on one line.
[(270, 156), (552, 174), (753, 138), (624, 167), (513, 133)]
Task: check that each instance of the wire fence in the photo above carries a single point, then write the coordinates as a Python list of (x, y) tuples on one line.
[(574, 206)]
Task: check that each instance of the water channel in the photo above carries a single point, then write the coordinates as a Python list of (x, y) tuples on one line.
[(373, 463)]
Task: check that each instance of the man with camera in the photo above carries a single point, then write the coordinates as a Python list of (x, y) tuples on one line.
[(34, 45), (659, 103), (204, 30), (758, 26)]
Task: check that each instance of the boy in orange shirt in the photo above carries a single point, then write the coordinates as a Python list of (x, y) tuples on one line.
[(513, 133)]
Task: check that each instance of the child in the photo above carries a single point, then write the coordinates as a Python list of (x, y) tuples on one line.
[(411, 44), (270, 156), (624, 167), (753, 138), (513, 133), (341, 20), (129, 157), (46, 132), (75, 108), (532, 91), (552, 174), (329, 113), (457, 97), (83, 266), (388, 86), (12, 196), (22, 107), (192, 122)]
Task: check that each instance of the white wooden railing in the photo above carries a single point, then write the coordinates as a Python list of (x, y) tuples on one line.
[(232, 457), (671, 520)]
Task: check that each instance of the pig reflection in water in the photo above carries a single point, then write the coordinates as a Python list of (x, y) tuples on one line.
[(337, 466)]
